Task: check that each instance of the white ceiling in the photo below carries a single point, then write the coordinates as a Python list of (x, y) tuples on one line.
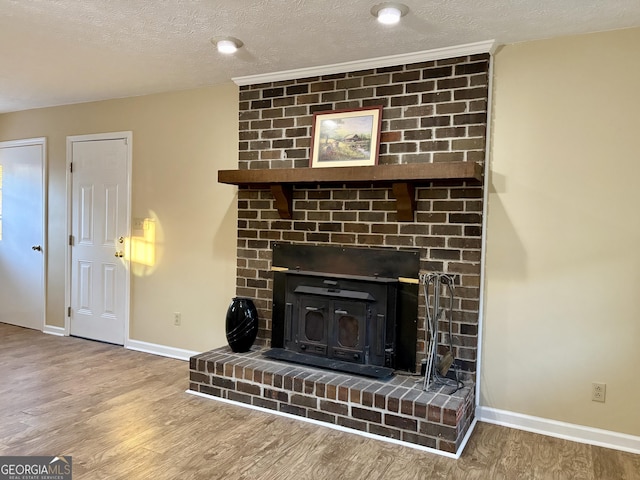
[(56, 52)]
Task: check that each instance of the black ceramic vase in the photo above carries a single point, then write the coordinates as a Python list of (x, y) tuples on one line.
[(242, 324)]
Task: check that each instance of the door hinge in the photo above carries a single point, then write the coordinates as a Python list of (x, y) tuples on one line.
[(68, 311), (71, 240), (71, 167)]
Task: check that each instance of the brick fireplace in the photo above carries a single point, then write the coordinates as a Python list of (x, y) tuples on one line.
[(433, 112)]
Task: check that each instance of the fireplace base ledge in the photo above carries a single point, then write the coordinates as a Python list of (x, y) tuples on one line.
[(395, 407), (381, 438)]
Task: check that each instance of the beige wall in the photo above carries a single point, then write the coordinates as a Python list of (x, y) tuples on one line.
[(180, 140), (563, 258)]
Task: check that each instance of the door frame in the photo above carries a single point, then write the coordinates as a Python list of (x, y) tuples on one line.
[(128, 137), (42, 142)]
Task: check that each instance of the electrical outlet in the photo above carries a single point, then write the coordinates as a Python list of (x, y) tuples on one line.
[(598, 391), (177, 319)]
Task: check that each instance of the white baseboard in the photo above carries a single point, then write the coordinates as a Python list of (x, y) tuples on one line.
[(161, 350), (554, 428), (466, 438), (343, 429), (52, 330)]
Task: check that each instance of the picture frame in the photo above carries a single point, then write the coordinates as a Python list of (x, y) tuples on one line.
[(346, 138)]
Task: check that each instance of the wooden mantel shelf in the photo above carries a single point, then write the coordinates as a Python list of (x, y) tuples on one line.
[(402, 178)]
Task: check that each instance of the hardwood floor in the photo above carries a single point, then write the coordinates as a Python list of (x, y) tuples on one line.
[(125, 415)]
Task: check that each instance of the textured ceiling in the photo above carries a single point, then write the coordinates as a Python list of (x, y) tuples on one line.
[(55, 52)]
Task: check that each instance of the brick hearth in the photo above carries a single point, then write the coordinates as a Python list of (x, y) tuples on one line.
[(396, 408)]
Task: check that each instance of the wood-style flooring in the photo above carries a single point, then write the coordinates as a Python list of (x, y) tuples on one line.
[(125, 415)]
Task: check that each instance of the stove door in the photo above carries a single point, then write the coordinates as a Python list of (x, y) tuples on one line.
[(347, 331), (313, 325)]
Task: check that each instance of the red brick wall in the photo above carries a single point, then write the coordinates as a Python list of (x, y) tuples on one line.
[(432, 112)]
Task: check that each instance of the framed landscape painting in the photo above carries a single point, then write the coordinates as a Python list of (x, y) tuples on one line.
[(346, 138)]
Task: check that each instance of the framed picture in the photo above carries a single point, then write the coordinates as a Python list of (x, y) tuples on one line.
[(346, 138)]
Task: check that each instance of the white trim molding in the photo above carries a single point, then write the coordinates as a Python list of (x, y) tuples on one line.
[(162, 350), (344, 429), (483, 238), (488, 46), (554, 428), (53, 330)]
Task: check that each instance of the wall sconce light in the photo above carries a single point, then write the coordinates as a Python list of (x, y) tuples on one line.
[(389, 13)]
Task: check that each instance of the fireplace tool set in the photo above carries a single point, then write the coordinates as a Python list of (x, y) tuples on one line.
[(437, 367)]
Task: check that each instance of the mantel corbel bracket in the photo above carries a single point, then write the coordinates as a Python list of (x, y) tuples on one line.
[(405, 194), (283, 196)]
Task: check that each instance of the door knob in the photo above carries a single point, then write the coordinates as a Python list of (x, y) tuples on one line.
[(37, 248), (120, 239), (119, 254)]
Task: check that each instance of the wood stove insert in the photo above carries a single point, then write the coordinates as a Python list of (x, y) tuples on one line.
[(346, 309)]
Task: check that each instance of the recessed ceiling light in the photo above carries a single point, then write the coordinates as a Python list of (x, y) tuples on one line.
[(389, 13), (227, 45)]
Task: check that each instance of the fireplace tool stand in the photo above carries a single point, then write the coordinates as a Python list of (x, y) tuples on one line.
[(436, 371)]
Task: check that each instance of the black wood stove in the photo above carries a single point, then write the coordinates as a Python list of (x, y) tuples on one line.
[(346, 309)]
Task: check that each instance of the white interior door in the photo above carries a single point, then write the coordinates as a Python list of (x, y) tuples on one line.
[(100, 168), (22, 245)]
